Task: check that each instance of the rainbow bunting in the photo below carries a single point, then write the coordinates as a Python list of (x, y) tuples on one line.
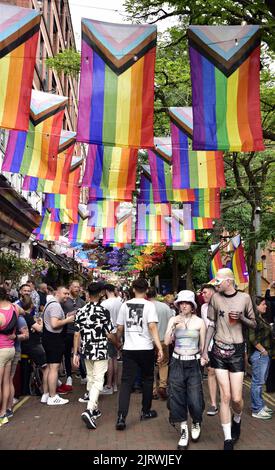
[(110, 170), (181, 235), (116, 97), (238, 263), (215, 263), (64, 159), (207, 203), (81, 232), (225, 66), (19, 30), (192, 169), (35, 153), (160, 160)]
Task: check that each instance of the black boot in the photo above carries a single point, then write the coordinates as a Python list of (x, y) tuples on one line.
[(235, 430), (120, 424)]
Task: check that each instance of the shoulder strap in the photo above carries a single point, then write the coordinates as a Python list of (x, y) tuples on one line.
[(11, 325)]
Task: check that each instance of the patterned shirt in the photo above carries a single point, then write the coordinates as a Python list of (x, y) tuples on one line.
[(262, 335), (94, 323)]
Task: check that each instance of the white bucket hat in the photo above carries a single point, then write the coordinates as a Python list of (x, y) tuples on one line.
[(186, 296)]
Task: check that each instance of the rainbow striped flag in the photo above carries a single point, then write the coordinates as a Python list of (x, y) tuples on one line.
[(110, 170), (225, 66), (65, 216), (181, 235), (19, 30), (202, 223), (81, 232), (69, 200), (120, 234), (192, 169), (102, 214), (160, 160), (35, 153), (207, 203), (48, 230), (64, 159), (238, 263), (116, 94), (215, 263)]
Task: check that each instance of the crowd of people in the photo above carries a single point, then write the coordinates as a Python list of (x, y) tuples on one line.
[(164, 347)]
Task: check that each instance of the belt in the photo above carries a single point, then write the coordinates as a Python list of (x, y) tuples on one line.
[(186, 358)]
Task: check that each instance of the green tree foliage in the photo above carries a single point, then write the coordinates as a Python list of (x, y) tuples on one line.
[(67, 62)]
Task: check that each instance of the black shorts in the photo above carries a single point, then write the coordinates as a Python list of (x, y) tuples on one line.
[(54, 345), (235, 363), (210, 356), (112, 350), (38, 355)]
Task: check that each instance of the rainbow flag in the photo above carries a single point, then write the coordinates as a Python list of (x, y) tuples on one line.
[(81, 232), (160, 160), (64, 159), (19, 30), (215, 263), (65, 216), (47, 229), (202, 223), (238, 263), (181, 235), (35, 153), (146, 190), (110, 170), (69, 200), (151, 226), (207, 203), (102, 214), (120, 234), (116, 94), (192, 169), (225, 66)]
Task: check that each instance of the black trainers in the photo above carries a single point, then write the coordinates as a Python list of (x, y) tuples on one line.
[(88, 419), (148, 415), (228, 444), (120, 424), (235, 430), (96, 414)]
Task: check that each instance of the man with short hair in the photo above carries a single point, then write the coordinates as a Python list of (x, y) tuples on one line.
[(93, 330), (137, 320), (72, 304), (228, 312), (54, 344), (164, 314), (207, 290), (112, 304), (24, 289)]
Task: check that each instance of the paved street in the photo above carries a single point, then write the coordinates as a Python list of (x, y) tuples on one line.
[(37, 426)]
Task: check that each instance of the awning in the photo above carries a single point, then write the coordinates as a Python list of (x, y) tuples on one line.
[(54, 258), (18, 219)]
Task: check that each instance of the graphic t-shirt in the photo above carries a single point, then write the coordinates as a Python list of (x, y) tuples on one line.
[(134, 315)]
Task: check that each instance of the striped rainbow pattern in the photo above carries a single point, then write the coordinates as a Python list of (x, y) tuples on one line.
[(192, 169), (102, 213), (19, 30), (47, 229), (65, 216), (225, 66), (116, 99), (207, 203), (202, 223), (239, 267), (81, 232), (110, 170), (69, 200), (215, 264)]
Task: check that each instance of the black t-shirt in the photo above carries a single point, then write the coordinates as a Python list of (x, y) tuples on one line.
[(43, 298), (69, 306), (34, 336)]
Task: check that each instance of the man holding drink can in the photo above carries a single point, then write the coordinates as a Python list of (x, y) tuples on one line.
[(228, 312)]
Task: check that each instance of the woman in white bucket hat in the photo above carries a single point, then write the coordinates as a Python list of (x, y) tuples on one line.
[(185, 381)]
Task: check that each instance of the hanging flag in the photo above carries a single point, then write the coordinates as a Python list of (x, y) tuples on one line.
[(225, 66), (160, 160), (35, 153), (19, 30), (102, 214), (238, 263), (65, 216), (207, 203), (81, 232), (116, 94), (69, 200), (215, 263), (64, 159), (202, 223), (47, 229), (110, 170), (192, 169)]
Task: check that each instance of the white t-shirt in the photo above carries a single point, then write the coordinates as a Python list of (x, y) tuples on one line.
[(134, 315), (113, 305), (204, 309)]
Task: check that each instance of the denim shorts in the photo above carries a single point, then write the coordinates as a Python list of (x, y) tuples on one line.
[(235, 363)]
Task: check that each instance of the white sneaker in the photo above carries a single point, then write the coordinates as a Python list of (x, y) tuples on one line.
[(183, 442), (83, 381), (195, 431), (57, 400), (268, 410), (106, 391), (44, 398), (115, 388), (69, 381), (262, 414)]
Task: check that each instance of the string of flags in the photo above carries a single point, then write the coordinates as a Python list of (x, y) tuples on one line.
[(180, 183)]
